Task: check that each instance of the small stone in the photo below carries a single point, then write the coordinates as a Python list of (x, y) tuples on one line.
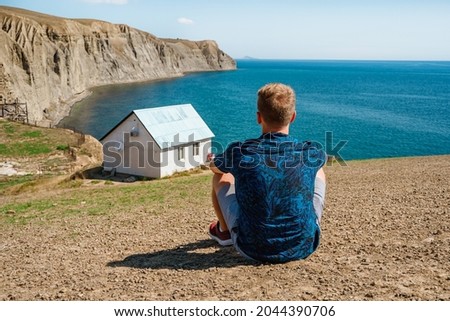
[(429, 240)]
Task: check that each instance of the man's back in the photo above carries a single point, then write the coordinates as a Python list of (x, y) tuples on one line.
[(274, 188)]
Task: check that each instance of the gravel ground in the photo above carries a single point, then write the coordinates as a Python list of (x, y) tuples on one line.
[(386, 236)]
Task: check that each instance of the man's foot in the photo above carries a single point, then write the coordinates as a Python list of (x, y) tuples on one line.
[(223, 238)]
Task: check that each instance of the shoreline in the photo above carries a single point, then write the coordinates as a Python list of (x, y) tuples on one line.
[(67, 106)]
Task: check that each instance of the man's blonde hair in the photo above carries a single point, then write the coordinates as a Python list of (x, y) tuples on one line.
[(276, 103)]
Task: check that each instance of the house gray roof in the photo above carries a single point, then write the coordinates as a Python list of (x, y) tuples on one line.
[(174, 125)]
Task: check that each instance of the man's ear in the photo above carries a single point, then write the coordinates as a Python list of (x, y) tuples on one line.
[(258, 117), (293, 116)]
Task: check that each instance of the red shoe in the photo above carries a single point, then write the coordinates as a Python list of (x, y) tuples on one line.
[(223, 238)]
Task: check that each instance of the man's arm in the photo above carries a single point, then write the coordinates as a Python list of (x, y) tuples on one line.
[(212, 166)]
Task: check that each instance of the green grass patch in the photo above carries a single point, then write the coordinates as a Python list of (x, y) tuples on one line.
[(32, 134), (21, 140), (3, 149), (10, 181), (21, 149), (9, 128), (100, 200)]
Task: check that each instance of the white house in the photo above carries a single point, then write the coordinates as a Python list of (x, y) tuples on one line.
[(157, 142)]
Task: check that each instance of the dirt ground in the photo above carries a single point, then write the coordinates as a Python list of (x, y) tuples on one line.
[(385, 236)]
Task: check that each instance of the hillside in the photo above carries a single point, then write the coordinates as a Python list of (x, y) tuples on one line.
[(50, 62), (384, 237), (31, 157)]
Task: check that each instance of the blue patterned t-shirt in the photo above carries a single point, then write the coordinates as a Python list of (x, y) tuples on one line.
[(274, 178)]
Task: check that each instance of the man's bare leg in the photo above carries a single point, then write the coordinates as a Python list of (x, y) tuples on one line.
[(220, 181)]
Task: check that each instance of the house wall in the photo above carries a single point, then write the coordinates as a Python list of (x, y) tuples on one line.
[(141, 156), (137, 155), (170, 157)]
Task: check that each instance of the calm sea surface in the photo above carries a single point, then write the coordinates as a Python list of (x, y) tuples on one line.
[(382, 109)]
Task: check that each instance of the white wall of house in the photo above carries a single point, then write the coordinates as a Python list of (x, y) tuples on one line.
[(141, 156), (172, 164)]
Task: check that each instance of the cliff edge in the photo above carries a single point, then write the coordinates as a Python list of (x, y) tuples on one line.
[(50, 62)]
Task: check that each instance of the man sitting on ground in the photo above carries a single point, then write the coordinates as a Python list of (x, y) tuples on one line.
[(268, 193)]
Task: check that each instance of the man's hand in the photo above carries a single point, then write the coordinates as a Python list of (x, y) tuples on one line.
[(212, 166)]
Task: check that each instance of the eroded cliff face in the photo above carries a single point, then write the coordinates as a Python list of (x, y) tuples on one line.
[(50, 62)]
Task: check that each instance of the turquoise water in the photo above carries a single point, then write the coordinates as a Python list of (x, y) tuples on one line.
[(381, 109)]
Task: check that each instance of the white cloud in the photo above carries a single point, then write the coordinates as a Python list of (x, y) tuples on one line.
[(185, 21), (107, 1)]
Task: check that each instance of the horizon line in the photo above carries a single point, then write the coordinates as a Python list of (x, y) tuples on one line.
[(344, 59)]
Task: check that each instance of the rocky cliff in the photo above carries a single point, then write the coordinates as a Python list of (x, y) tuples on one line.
[(50, 62)]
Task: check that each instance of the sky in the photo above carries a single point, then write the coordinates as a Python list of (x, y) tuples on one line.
[(283, 29)]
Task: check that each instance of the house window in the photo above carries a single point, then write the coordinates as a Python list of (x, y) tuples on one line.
[(180, 153), (196, 149)]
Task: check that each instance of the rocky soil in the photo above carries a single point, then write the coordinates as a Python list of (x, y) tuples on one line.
[(386, 236)]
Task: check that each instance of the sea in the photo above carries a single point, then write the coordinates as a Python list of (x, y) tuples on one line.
[(354, 109)]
